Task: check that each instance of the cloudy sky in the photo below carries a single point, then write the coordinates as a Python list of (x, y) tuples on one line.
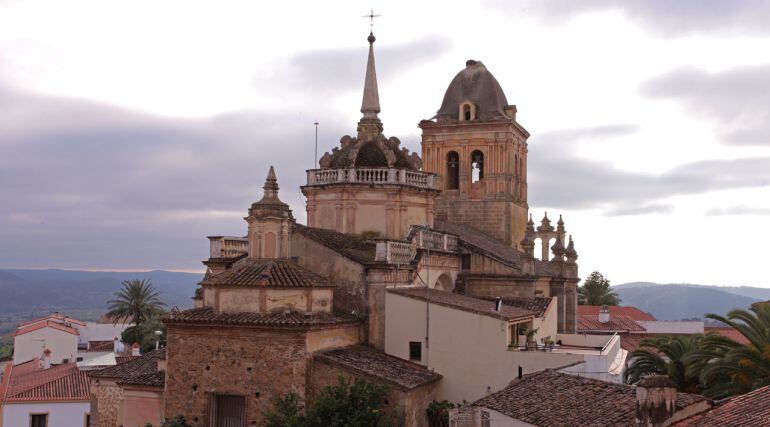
[(131, 130)]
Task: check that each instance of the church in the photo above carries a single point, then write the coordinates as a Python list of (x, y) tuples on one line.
[(415, 270)]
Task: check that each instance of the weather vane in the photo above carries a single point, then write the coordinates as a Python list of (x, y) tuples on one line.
[(371, 17)]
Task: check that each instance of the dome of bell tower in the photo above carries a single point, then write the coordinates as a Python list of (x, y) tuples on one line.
[(476, 87)]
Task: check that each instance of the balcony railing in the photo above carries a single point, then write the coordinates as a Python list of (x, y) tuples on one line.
[(371, 175), (400, 253)]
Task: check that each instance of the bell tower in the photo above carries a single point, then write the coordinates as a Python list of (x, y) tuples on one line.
[(479, 152)]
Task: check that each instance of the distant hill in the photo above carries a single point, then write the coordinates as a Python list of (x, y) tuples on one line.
[(686, 301), (34, 292)]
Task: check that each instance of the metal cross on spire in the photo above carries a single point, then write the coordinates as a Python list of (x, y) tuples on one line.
[(371, 17)]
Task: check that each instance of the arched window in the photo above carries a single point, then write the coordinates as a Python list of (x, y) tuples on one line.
[(477, 166), (516, 169), (467, 111), (452, 171)]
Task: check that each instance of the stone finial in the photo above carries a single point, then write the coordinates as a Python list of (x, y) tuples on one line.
[(545, 225), (370, 105), (655, 400), (571, 252), (560, 226), (558, 249), (271, 185)]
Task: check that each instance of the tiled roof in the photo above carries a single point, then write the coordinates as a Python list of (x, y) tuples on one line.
[(631, 342), (101, 345), (258, 272), (465, 303), (207, 315), (60, 318), (537, 304), (469, 236), (550, 398), (619, 323), (45, 324), (727, 332), (391, 369), (155, 379), (747, 410), (59, 383), (615, 310), (353, 246), (144, 365), (124, 359)]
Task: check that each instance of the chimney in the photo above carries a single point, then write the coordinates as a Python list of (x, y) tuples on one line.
[(135, 349), (604, 314), (45, 360), (655, 399)]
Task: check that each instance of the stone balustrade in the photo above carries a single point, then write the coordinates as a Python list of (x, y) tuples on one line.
[(433, 240), (372, 175), (393, 252)]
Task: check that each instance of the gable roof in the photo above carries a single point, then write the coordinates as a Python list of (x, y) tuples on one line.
[(57, 317), (619, 323), (355, 247), (260, 272), (31, 327), (727, 332), (32, 383), (464, 303), (616, 310), (747, 410), (368, 361), (548, 398)]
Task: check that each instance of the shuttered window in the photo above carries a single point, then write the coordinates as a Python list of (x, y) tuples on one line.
[(226, 410)]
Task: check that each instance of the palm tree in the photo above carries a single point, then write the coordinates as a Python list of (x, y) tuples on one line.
[(137, 300), (728, 368), (666, 355), (596, 290)]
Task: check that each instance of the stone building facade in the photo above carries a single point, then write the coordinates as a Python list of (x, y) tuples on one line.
[(289, 307)]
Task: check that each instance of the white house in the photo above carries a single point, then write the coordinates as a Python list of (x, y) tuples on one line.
[(479, 350)]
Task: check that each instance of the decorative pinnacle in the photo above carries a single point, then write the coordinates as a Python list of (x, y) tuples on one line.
[(271, 184)]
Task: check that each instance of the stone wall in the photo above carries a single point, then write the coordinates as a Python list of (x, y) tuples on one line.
[(106, 400), (256, 363)]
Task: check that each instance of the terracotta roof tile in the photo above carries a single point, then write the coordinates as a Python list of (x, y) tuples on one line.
[(632, 312), (619, 323), (465, 303), (61, 382), (747, 410), (207, 315), (144, 365), (727, 332), (537, 304), (101, 345), (155, 379), (353, 246), (391, 369), (474, 238), (258, 272), (45, 324), (550, 398)]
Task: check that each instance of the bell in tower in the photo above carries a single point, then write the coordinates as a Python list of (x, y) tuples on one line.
[(479, 153)]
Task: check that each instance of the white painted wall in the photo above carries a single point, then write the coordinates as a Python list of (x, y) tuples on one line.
[(71, 414), (672, 326), (100, 331), (63, 345), (470, 350)]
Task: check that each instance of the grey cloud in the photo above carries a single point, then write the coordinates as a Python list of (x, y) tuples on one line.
[(739, 99), (665, 17), (560, 177), (84, 184), (334, 70), (639, 210), (738, 210)]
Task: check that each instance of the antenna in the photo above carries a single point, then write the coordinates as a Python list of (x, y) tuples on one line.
[(315, 159)]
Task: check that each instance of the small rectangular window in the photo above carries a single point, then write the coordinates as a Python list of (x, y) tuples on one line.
[(38, 420), (415, 351), (88, 420), (486, 420)]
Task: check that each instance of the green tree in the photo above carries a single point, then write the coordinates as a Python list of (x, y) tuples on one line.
[(136, 301), (666, 355), (596, 290), (145, 333), (346, 404), (177, 421), (728, 368)]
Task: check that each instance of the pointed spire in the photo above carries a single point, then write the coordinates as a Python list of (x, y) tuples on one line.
[(370, 105), (271, 185), (558, 249), (560, 226), (571, 252)]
